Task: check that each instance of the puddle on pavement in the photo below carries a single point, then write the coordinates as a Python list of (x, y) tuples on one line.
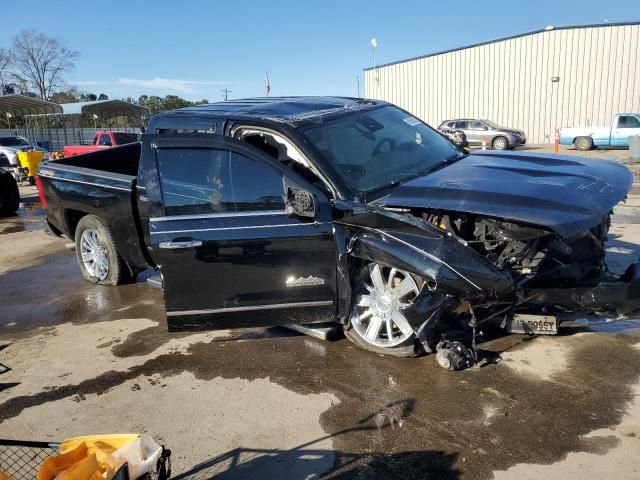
[(53, 292), (24, 221), (29, 216)]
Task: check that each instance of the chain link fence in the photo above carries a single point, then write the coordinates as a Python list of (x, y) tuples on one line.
[(21, 460)]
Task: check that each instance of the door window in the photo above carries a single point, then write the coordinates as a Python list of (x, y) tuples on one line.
[(105, 139), (462, 125), (628, 121), (255, 186), (477, 126), (205, 181)]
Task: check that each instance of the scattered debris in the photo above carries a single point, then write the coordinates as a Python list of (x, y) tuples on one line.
[(453, 355)]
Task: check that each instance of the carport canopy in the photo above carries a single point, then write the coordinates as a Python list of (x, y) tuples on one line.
[(105, 108), (23, 105)]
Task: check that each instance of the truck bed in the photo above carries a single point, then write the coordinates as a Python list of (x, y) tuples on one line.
[(122, 160), (102, 184)]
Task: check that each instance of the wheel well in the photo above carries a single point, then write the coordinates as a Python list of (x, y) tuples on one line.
[(73, 217)]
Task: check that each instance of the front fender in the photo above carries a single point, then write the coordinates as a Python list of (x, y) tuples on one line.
[(452, 267)]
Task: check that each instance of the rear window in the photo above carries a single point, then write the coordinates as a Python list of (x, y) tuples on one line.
[(105, 139), (124, 138)]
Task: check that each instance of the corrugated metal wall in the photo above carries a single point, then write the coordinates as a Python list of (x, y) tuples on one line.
[(509, 81)]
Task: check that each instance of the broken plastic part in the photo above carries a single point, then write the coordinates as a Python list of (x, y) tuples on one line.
[(453, 355)]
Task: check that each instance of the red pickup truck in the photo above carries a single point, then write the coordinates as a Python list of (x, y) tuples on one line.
[(102, 140)]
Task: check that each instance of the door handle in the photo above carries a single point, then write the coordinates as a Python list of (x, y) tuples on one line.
[(180, 245)]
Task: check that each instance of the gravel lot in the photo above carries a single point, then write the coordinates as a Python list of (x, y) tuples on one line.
[(271, 403)]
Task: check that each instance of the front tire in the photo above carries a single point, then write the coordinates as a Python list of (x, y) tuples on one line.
[(97, 255), (500, 143), (377, 323), (583, 143)]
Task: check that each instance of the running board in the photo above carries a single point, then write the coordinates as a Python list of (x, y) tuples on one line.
[(324, 331), (155, 281)]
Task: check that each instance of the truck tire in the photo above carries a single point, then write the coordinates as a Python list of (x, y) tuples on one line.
[(9, 195), (389, 338), (97, 255), (583, 143)]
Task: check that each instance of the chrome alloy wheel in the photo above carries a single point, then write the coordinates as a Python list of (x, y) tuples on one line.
[(377, 315), (500, 143), (94, 254)]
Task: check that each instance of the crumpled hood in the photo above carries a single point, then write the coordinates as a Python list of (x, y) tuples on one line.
[(567, 194)]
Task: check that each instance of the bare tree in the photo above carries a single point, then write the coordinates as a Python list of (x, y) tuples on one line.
[(41, 62), (5, 61)]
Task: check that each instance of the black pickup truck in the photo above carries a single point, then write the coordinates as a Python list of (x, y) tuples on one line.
[(301, 210)]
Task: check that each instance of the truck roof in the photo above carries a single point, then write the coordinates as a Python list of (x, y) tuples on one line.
[(295, 111)]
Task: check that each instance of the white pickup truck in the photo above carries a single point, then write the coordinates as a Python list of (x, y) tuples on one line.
[(624, 125)]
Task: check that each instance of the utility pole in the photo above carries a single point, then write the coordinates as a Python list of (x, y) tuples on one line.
[(225, 94)]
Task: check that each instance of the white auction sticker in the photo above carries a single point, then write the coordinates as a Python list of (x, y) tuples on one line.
[(413, 121)]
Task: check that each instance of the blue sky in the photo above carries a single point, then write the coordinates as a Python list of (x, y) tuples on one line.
[(196, 48)]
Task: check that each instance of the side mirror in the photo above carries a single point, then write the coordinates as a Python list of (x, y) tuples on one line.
[(300, 202)]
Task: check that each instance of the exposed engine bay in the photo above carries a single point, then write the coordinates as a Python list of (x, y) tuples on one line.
[(532, 255)]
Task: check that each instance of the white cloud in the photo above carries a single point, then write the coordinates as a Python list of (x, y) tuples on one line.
[(162, 85), (89, 83), (170, 84)]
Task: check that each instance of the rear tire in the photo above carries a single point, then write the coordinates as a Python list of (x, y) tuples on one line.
[(459, 138), (583, 143), (9, 195), (400, 344), (97, 255)]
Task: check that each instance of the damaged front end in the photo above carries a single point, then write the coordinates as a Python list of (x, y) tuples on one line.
[(479, 271)]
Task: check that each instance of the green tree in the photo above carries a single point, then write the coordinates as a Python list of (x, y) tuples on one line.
[(64, 97)]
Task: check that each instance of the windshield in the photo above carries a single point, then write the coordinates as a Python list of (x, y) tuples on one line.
[(123, 138), (377, 148), (492, 124), (13, 141)]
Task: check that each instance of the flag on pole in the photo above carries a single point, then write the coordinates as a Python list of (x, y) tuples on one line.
[(267, 85)]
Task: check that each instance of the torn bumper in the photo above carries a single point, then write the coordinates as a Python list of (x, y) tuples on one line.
[(622, 295)]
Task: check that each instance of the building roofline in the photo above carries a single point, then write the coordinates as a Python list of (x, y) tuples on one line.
[(501, 39)]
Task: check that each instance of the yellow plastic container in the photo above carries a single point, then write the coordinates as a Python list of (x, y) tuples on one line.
[(30, 161)]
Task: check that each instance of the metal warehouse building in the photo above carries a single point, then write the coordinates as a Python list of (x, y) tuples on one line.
[(536, 81)]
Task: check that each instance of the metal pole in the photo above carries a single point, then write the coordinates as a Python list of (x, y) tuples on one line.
[(55, 120), (64, 126)]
